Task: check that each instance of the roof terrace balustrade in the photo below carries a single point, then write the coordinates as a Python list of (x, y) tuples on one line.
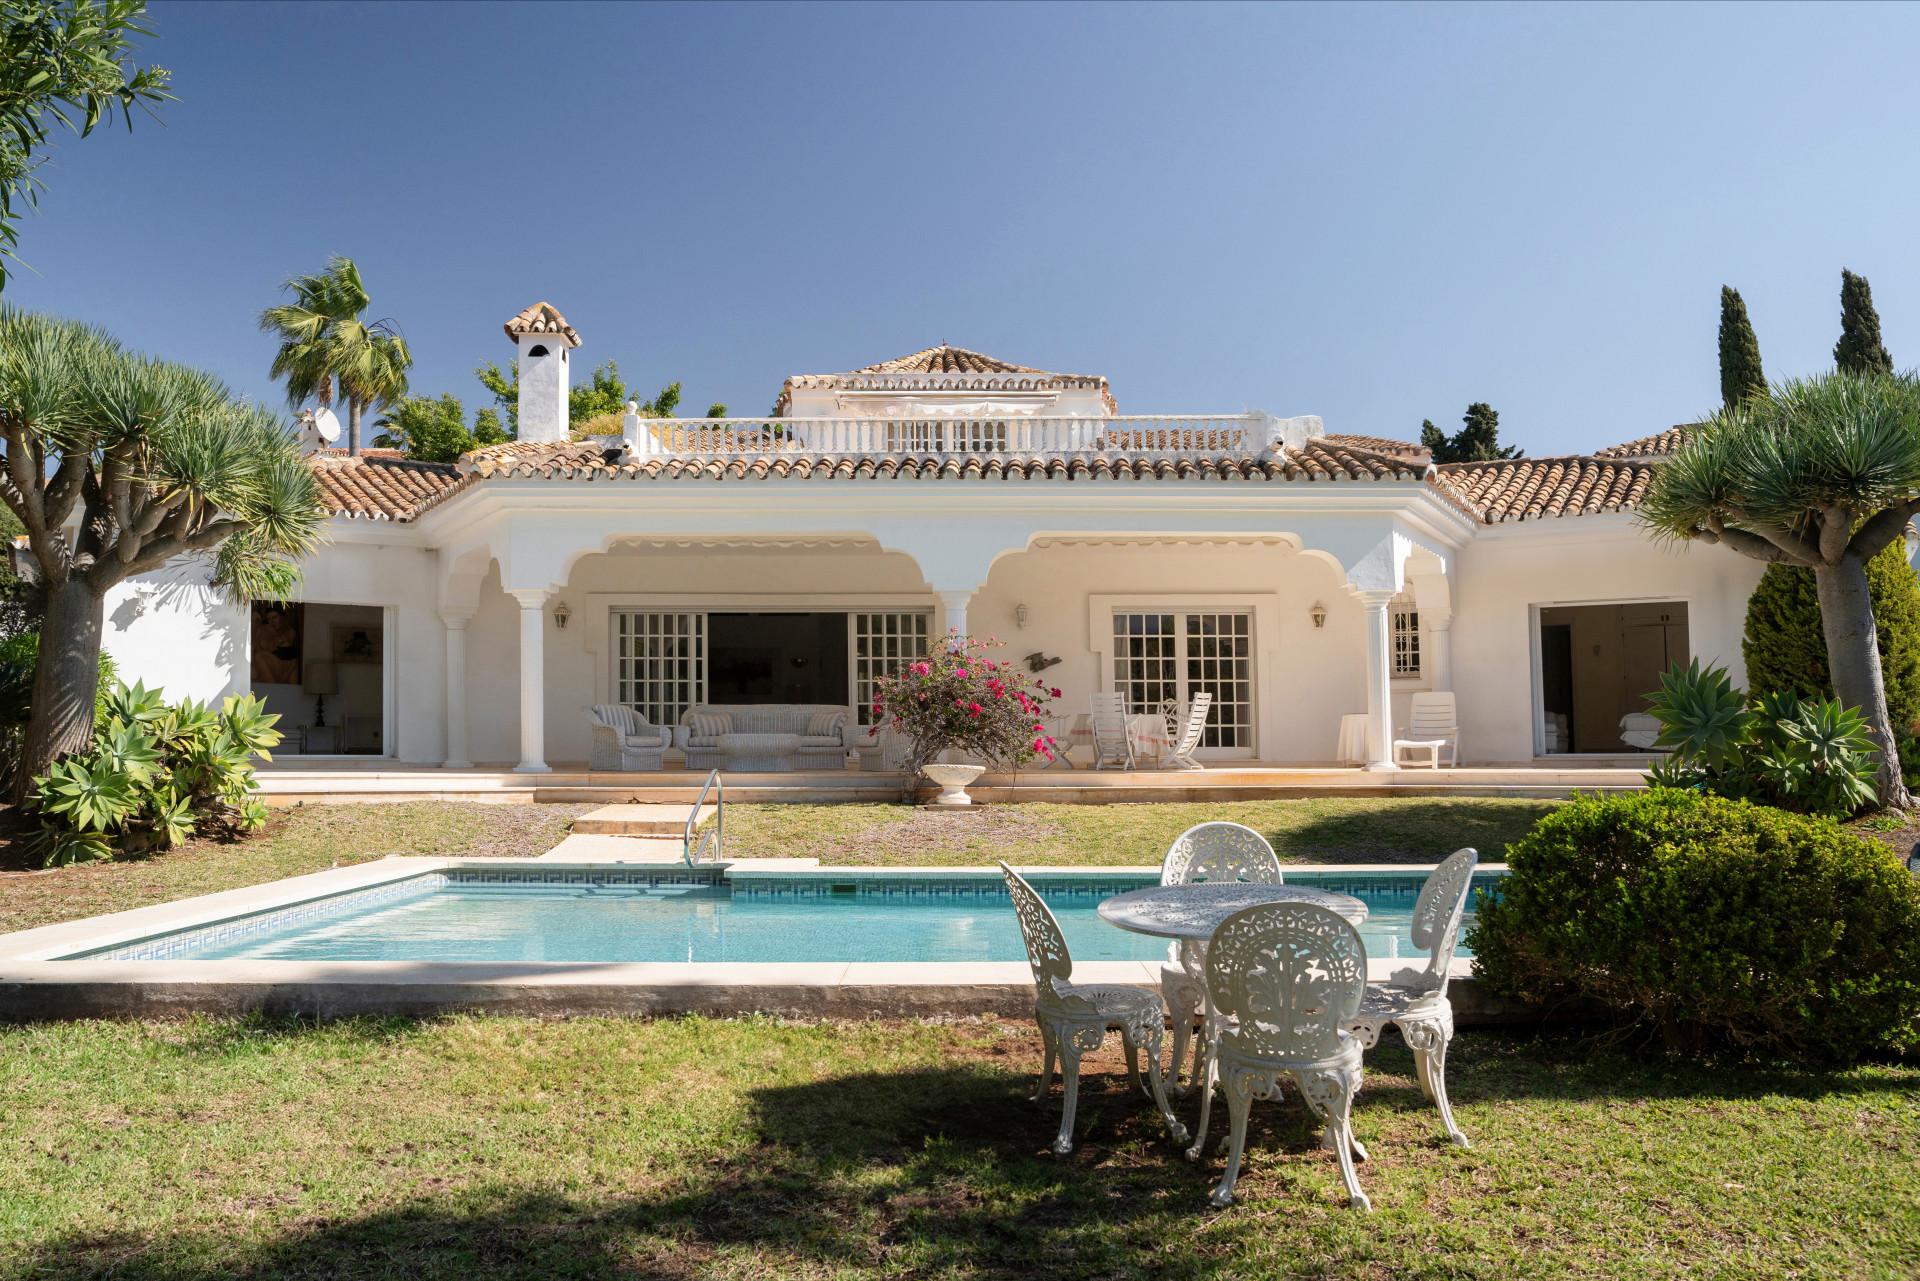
[(1195, 435)]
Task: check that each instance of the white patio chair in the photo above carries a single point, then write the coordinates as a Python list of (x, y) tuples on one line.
[(1287, 975), (1187, 737), (1433, 727), (1416, 1000), (1074, 1017), (1111, 742), (623, 740), (1205, 852)]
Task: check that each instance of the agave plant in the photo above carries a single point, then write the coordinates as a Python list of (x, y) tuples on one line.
[(1811, 755)]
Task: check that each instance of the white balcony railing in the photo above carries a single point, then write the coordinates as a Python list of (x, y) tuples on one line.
[(1214, 434)]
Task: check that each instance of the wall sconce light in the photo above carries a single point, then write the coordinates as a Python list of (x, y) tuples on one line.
[(560, 615), (1319, 613), (1020, 616)]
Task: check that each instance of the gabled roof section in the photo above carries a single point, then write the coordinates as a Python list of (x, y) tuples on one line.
[(1381, 445), (541, 318), (1511, 489), (945, 368), (381, 484), (1659, 446)]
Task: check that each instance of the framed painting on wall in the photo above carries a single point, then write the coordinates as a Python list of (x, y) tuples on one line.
[(278, 627), (356, 643)]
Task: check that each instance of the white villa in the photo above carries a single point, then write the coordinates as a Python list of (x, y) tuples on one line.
[(473, 614)]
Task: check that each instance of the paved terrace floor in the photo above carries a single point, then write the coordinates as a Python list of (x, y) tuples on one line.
[(307, 781)]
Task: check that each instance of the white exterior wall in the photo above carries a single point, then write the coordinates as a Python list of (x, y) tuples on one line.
[(172, 631), (1508, 571)]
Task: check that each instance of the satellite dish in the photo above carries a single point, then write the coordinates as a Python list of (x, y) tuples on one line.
[(326, 424)]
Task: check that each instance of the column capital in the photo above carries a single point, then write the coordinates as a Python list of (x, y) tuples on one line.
[(1375, 598), (457, 619), (960, 599), (1435, 620), (530, 597)]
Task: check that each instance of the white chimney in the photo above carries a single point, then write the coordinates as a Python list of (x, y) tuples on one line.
[(544, 338)]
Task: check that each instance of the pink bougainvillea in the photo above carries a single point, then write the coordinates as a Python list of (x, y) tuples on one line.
[(957, 699)]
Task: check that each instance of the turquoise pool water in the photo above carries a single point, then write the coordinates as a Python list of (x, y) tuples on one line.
[(635, 917)]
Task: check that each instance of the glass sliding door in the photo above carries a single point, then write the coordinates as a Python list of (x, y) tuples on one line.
[(1168, 656), (883, 644), (660, 663)]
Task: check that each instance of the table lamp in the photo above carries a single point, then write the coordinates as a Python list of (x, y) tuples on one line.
[(321, 680)]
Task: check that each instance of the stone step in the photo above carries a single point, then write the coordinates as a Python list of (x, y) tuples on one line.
[(639, 820)]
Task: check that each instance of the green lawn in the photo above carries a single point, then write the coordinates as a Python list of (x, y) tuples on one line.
[(1331, 830), (688, 1147), (295, 842)]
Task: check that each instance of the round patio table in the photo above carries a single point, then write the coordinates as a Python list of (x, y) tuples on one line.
[(1191, 913)]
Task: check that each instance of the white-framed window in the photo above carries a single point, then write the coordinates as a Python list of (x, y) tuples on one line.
[(1405, 616), (660, 663), (883, 644), (1163, 656)]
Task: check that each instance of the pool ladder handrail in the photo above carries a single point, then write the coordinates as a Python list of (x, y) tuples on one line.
[(713, 838)]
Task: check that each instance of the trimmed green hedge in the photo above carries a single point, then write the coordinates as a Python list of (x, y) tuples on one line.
[(1720, 922)]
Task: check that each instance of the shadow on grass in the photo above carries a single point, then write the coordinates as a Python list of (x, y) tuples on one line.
[(927, 1172), (1412, 831)]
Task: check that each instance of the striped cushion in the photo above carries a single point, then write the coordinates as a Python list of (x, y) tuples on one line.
[(826, 724), (709, 724)]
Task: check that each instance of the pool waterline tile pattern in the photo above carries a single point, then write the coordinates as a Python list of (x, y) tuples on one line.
[(696, 915)]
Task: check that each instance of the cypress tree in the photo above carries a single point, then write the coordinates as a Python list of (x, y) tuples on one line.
[(1859, 350), (1740, 372)]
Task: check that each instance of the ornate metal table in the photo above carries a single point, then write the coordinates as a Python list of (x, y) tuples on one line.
[(1192, 913)]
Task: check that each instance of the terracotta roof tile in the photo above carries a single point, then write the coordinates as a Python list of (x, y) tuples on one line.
[(1667, 442), (1381, 445), (541, 318), (947, 359), (1535, 488), (382, 485), (946, 368)]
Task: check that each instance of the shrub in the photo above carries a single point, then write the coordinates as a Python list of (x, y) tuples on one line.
[(1816, 756), (155, 775), (957, 698), (1718, 921), (1786, 650)]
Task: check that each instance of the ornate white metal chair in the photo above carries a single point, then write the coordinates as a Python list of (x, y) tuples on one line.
[(1187, 737), (1111, 742), (1074, 1017), (1205, 852), (1434, 726), (1416, 1000), (1289, 975)]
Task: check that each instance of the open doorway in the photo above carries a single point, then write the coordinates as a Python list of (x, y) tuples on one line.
[(322, 669), (1598, 663), (777, 658)]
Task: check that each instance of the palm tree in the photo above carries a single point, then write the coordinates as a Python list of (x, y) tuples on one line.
[(117, 464), (325, 340), (1822, 472)]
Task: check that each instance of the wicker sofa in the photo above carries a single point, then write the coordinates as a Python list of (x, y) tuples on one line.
[(769, 737), (623, 740)]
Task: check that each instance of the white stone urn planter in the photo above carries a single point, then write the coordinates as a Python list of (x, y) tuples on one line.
[(953, 780)]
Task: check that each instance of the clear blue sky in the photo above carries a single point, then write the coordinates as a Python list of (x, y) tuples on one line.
[(1373, 213)]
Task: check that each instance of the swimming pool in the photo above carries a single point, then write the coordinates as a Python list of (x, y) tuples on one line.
[(699, 915)]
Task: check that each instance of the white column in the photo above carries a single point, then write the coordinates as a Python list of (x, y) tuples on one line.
[(1436, 645), (533, 681), (1379, 680), (954, 605), (456, 691)]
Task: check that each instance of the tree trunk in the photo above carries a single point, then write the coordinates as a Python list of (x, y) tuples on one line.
[(353, 426), (1853, 660), (64, 681)]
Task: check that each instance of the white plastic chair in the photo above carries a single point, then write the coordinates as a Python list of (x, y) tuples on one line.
[(1111, 742), (1433, 727), (1416, 1000), (1288, 975), (1074, 1017), (1205, 852), (1187, 737)]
